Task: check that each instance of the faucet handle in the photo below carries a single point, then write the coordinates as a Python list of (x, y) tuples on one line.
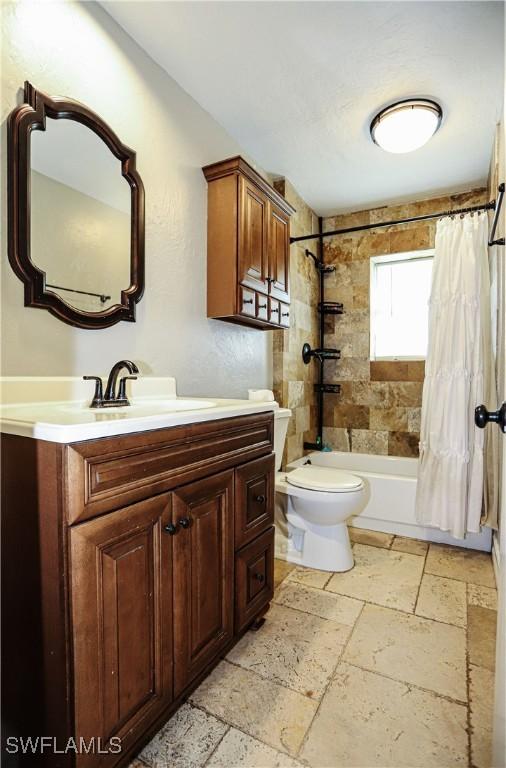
[(98, 396), (122, 387)]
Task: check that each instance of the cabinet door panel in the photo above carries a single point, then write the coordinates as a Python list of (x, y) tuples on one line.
[(203, 574), (253, 226), (121, 616), (279, 251)]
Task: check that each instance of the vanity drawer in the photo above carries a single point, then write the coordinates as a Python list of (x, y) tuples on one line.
[(254, 499), (274, 311), (284, 319), (254, 578), (262, 307), (102, 475), (247, 302)]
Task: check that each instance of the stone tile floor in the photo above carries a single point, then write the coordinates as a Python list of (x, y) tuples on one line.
[(389, 664)]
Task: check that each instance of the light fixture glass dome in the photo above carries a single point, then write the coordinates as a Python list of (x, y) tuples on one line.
[(406, 125)]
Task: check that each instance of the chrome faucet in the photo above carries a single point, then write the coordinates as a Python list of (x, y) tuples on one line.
[(111, 398)]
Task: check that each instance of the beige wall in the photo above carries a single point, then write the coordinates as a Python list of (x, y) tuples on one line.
[(77, 50), (92, 250), (293, 381), (378, 410)]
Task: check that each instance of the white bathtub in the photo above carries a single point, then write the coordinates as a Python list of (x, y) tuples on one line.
[(391, 486)]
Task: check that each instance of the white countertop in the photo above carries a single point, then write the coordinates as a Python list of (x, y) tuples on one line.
[(69, 421)]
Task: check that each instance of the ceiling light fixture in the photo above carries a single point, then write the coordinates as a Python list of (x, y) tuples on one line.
[(406, 125)]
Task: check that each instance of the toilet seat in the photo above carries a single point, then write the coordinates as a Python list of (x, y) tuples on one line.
[(325, 479)]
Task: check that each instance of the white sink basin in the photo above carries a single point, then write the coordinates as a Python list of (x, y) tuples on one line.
[(57, 409), (148, 407)]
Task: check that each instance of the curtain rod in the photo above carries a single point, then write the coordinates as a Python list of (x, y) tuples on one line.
[(485, 207)]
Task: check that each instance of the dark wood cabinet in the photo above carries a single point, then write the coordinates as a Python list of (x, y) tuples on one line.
[(254, 574), (203, 589), (248, 247), (254, 496), (121, 621), (144, 557), (254, 256), (278, 253)]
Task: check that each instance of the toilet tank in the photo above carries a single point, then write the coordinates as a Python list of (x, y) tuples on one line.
[(281, 419)]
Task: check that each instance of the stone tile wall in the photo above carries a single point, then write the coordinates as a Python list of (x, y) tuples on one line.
[(378, 410), (293, 381)]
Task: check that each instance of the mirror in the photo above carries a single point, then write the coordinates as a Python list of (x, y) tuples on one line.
[(76, 213)]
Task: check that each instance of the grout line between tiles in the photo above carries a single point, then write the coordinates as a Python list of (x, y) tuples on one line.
[(217, 745), (420, 582), (461, 581), (269, 679), (229, 725), (468, 688), (382, 605), (410, 685), (330, 680)]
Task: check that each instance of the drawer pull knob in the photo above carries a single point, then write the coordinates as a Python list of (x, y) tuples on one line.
[(276, 309), (170, 528), (285, 314), (262, 306), (247, 301), (260, 499), (259, 577), (185, 522)]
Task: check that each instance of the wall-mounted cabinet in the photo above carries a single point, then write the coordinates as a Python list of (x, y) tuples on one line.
[(248, 247)]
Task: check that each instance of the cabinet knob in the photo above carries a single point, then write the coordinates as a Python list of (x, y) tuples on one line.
[(259, 577), (262, 306), (185, 522), (275, 309), (260, 499), (247, 301), (170, 528), (270, 279), (285, 314)]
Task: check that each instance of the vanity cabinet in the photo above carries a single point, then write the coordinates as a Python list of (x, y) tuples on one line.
[(248, 247), (130, 566)]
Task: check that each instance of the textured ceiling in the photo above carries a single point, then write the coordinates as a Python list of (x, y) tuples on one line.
[(297, 83)]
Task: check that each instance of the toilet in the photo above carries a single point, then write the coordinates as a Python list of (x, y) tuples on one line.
[(313, 504)]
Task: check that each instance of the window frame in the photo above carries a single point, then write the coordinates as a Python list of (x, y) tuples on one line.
[(391, 258)]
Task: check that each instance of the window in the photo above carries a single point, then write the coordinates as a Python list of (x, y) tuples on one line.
[(400, 291)]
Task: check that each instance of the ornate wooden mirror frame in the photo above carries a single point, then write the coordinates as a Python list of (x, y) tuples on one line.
[(21, 122)]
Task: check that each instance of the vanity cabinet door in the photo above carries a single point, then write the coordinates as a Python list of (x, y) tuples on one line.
[(253, 236), (203, 574), (278, 254), (122, 622)]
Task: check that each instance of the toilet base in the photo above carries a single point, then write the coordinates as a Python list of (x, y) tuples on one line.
[(323, 547)]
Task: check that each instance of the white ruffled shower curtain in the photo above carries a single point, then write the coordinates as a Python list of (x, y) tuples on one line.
[(457, 379)]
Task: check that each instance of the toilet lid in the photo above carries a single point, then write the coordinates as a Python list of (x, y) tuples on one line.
[(323, 479)]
